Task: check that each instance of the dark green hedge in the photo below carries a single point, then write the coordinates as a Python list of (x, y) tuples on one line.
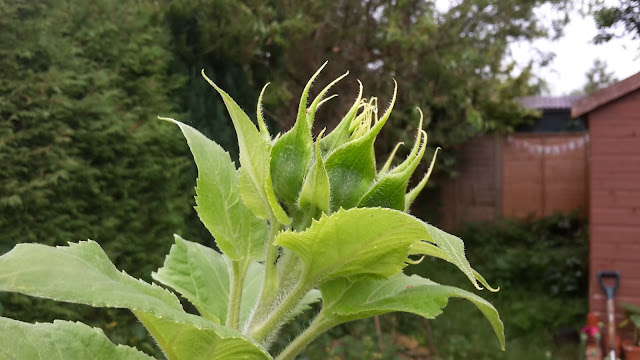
[(82, 155)]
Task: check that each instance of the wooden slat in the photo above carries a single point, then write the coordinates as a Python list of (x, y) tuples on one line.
[(615, 216)]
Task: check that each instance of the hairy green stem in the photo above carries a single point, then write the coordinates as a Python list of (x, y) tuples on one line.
[(270, 283), (270, 274), (319, 325), (239, 271), (262, 331)]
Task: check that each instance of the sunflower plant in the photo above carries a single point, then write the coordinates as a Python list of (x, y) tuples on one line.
[(300, 221)]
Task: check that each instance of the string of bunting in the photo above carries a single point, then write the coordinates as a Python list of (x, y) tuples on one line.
[(555, 149)]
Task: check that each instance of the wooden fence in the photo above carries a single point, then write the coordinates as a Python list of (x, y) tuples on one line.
[(517, 176)]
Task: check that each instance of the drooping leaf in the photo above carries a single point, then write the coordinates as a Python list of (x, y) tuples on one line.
[(425, 248), (291, 154), (449, 248), (82, 273), (351, 299), (238, 233), (352, 166), (356, 241), (60, 340), (315, 193), (255, 180)]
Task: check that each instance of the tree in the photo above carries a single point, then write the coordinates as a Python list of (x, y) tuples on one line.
[(81, 149), (609, 20), (453, 65), (598, 77)]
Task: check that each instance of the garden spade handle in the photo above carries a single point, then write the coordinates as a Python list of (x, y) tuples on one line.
[(610, 291)]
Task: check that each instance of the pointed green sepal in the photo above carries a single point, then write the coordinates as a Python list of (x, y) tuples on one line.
[(261, 123), (352, 166), (315, 194), (291, 154), (390, 190), (387, 164), (311, 113), (340, 135), (413, 194)]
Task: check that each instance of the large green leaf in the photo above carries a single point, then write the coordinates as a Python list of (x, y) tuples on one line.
[(182, 340), (82, 273), (238, 233), (255, 178), (351, 299), (61, 340), (200, 274), (356, 241)]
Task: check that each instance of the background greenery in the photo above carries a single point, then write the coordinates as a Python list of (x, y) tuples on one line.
[(82, 155), (542, 269)]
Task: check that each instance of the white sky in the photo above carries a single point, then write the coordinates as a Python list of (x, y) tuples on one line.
[(575, 53)]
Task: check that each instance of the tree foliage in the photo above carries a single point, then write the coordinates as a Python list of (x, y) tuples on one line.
[(454, 65), (80, 148), (598, 77), (611, 19)]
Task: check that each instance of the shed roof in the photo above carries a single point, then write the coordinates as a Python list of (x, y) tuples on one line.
[(606, 95), (549, 102)]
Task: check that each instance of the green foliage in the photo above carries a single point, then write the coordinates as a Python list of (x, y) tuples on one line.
[(598, 77), (550, 254), (531, 309), (52, 341), (610, 18), (80, 148), (351, 257), (453, 64)]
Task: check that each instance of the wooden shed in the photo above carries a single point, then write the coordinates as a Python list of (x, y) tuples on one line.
[(613, 119), (536, 171)]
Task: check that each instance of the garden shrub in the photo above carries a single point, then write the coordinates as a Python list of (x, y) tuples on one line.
[(81, 152), (548, 255)]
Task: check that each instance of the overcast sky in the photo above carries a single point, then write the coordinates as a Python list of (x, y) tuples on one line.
[(575, 53)]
